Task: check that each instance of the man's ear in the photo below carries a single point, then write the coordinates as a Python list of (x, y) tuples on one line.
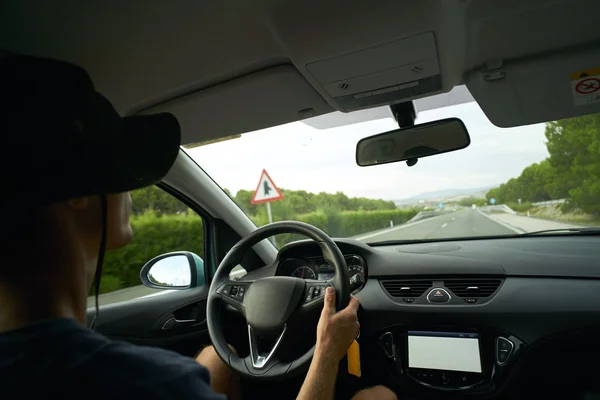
[(79, 203)]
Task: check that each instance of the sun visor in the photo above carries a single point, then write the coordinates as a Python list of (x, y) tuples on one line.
[(394, 72), (540, 89), (270, 97)]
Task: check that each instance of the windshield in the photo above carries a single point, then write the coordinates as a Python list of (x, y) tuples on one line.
[(508, 181)]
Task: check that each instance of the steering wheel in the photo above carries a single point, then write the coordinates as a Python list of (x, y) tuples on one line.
[(268, 303)]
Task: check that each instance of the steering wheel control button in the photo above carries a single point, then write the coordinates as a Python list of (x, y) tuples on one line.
[(240, 292), (309, 295), (387, 344), (438, 295), (236, 292), (504, 349)]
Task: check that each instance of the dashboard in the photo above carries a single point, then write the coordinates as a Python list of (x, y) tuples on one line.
[(493, 318), (318, 268)]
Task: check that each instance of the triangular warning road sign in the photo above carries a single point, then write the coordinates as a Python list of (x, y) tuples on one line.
[(266, 190)]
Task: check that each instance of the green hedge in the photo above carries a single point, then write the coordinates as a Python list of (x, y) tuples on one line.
[(156, 234), (153, 234)]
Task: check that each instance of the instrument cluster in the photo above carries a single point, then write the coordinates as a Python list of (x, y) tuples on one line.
[(318, 269)]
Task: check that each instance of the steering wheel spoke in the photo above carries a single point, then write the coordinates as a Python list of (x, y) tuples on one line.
[(233, 293), (263, 358)]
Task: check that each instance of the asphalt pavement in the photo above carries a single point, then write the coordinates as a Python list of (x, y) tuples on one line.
[(468, 222)]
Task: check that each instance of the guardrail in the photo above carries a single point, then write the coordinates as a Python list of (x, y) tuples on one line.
[(549, 202), (428, 214), (498, 208)]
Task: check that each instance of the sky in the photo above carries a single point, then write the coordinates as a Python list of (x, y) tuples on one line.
[(299, 157), (174, 270)]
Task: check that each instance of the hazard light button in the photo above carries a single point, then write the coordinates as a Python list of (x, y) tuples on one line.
[(438, 295)]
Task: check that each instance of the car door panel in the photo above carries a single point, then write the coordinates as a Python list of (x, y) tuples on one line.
[(146, 320)]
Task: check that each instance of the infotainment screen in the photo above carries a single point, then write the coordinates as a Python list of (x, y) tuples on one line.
[(446, 351)]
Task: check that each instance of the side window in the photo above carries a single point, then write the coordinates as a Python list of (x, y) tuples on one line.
[(161, 224)]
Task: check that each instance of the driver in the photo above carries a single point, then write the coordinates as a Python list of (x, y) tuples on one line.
[(65, 201)]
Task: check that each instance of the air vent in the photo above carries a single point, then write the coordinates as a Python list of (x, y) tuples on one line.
[(407, 288), (472, 287)]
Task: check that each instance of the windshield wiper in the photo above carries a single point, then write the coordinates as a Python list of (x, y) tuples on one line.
[(583, 231)]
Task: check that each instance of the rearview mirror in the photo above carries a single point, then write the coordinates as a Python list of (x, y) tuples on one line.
[(414, 142), (177, 270)]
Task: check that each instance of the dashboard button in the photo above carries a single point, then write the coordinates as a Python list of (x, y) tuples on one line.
[(445, 379), (438, 295), (504, 349), (408, 300), (471, 300)]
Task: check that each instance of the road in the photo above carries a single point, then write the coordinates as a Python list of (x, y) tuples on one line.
[(124, 294), (462, 223)]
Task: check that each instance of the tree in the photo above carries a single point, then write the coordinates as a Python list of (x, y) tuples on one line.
[(571, 171), (155, 199)]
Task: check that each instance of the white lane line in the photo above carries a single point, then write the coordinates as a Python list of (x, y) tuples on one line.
[(512, 228), (445, 225), (370, 235)]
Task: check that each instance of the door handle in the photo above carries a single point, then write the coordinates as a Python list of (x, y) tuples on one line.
[(174, 323)]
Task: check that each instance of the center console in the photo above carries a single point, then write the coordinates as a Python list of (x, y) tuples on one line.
[(465, 359)]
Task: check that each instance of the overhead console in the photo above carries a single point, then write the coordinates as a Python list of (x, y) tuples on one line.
[(394, 72), (466, 359)]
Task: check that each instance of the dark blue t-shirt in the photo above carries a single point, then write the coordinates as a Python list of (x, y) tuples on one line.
[(61, 359)]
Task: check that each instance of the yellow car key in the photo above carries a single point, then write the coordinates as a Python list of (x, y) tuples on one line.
[(354, 359)]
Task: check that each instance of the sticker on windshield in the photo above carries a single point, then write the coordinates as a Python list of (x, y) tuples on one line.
[(585, 86)]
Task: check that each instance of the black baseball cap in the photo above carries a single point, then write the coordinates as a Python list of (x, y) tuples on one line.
[(61, 139)]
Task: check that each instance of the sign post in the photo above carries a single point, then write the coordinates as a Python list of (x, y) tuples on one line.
[(266, 192)]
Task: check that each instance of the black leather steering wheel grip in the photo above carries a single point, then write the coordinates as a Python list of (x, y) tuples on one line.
[(269, 303)]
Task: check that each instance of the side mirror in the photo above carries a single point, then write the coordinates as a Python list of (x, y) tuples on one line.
[(177, 271)]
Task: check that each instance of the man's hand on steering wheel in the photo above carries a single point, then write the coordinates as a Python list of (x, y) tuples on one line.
[(336, 330)]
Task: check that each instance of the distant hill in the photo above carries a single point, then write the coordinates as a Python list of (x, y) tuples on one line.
[(446, 194)]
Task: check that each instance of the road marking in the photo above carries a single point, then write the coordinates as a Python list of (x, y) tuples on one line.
[(453, 218), (370, 235), (445, 225), (512, 228)]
